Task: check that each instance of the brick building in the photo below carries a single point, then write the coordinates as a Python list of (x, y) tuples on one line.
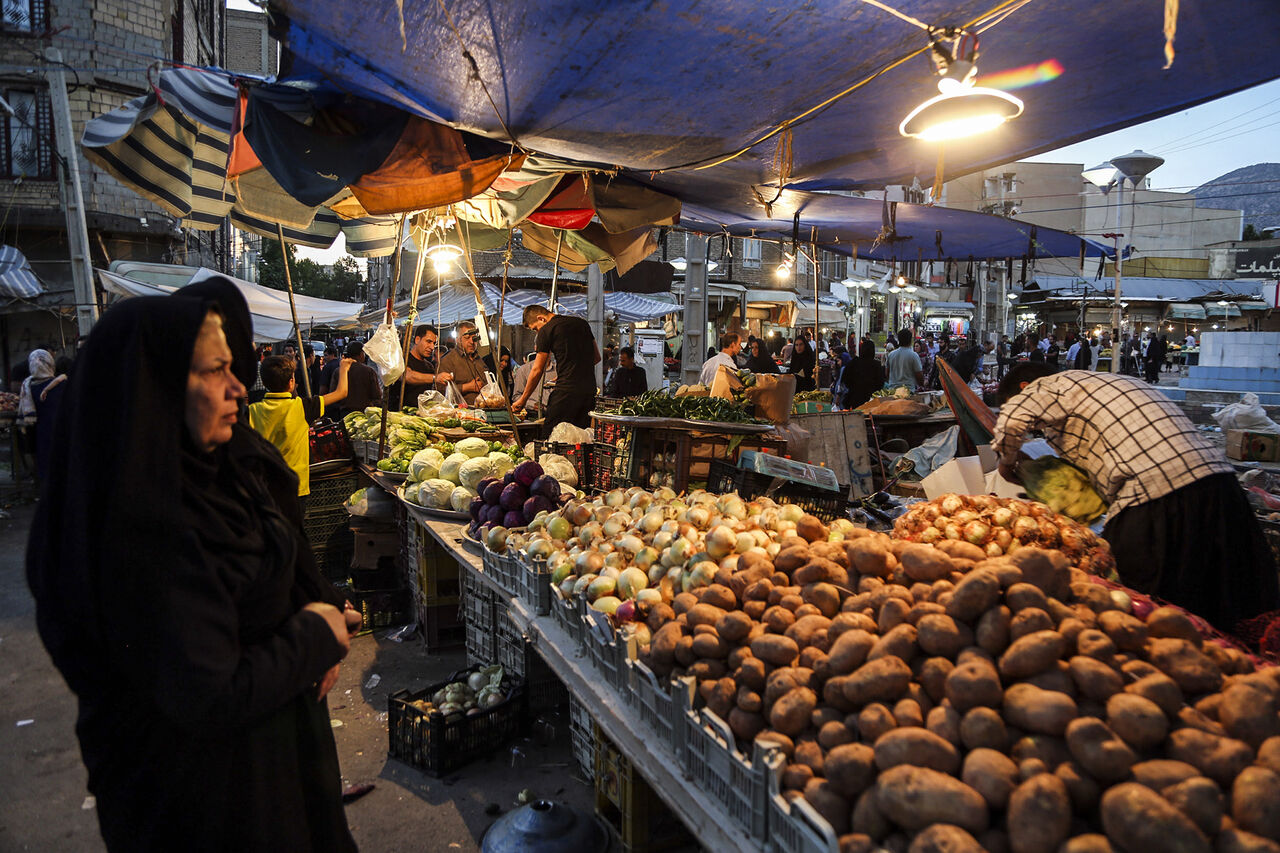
[(107, 47)]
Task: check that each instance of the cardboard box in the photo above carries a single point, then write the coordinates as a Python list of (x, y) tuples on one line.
[(1253, 446), (971, 475), (810, 407)]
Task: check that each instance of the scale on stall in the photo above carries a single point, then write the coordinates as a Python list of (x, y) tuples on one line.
[(782, 469)]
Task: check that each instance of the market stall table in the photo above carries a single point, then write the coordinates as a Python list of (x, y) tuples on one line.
[(912, 430), (695, 808)]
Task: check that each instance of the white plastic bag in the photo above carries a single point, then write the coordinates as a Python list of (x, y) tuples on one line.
[(427, 399), (566, 433), (1247, 414), (453, 397), (383, 350), (371, 502), (490, 396)]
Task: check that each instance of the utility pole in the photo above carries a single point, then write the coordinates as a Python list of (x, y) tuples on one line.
[(72, 198), (692, 351)]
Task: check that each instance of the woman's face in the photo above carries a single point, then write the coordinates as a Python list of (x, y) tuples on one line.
[(213, 392)]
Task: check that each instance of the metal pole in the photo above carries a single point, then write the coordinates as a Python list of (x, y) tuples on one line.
[(293, 310), (77, 228), (695, 309), (1115, 309), (595, 314)]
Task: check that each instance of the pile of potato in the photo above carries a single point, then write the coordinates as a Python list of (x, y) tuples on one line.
[(933, 698)]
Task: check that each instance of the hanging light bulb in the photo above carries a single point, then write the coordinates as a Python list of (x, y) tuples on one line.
[(441, 252), (962, 108), (788, 264)]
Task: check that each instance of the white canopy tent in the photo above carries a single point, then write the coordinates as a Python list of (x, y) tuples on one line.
[(268, 308)]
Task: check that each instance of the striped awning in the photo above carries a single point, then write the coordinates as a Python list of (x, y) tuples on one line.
[(172, 149), (455, 302), (17, 281)]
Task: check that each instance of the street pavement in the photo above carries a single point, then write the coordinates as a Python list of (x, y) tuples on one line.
[(46, 807)]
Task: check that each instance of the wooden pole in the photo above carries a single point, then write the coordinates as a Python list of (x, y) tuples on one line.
[(293, 310), (386, 404)]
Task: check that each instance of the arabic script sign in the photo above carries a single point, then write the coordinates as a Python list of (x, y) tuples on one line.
[(1258, 263)]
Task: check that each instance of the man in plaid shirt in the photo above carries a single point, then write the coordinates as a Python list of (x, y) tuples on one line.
[(1178, 522)]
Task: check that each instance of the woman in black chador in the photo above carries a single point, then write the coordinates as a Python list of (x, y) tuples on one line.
[(176, 593)]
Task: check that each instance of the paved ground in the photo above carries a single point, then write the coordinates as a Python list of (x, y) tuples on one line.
[(44, 807)]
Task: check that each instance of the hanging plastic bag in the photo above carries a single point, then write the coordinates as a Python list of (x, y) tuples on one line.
[(427, 399), (453, 397), (490, 396), (383, 350)]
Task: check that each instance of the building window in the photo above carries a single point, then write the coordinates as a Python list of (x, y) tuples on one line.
[(26, 149), (750, 252), (802, 264), (24, 16)]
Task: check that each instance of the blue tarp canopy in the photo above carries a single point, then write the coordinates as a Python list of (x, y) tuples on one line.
[(1146, 288), (670, 92)]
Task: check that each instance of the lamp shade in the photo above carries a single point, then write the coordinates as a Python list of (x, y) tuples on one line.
[(959, 114)]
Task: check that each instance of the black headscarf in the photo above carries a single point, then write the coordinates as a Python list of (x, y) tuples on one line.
[(222, 293), (802, 365), (762, 363)]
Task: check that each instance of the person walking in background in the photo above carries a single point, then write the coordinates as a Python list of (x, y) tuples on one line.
[(537, 397), (863, 376), (759, 360), (787, 349), (802, 364), (363, 388), (730, 344), (902, 366)]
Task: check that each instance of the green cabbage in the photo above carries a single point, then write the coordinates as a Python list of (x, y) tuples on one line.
[(435, 493), (425, 464), (502, 463), (460, 498), (411, 492), (471, 472), (473, 447), (449, 468)]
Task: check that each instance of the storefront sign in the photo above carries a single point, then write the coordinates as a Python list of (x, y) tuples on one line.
[(1258, 263)]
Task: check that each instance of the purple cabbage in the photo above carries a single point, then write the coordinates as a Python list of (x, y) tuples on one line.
[(513, 497), (547, 486), (476, 505), (535, 505), (526, 472), (491, 515), (484, 484), (515, 518), (492, 493)]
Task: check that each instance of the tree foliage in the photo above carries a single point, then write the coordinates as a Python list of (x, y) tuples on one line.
[(343, 283)]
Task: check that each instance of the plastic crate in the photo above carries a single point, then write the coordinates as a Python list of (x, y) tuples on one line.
[(381, 608), (610, 469), (725, 477), (478, 614), (579, 455), (543, 688), (331, 492), (535, 583), (437, 746), (334, 562), (662, 703), (629, 805), (502, 569), (437, 573), (794, 827), (716, 766), (441, 627), (582, 738), (567, 613), (608, 652)]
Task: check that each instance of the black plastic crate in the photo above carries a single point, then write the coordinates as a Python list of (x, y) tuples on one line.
[(331, 492), (478, 614), (610, 468), (381, 608), (441, 627), (543, 688), (334, 562), (725, 477), (578, 454), (437, 746)]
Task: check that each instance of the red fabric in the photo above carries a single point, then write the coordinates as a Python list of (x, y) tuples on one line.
[(568, 207), (241, 158)]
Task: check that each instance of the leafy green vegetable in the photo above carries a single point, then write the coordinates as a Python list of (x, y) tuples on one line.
[(655, 404)]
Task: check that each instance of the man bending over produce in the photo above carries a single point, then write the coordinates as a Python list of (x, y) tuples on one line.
[(1178, 522), (570, 340)]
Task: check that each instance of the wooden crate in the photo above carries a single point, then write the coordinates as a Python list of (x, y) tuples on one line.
[(839, 441)]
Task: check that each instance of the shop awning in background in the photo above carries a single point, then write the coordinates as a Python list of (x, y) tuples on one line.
[(1186, 311), (455, 302), (269, 309), (756, 297), (949, 309), (17, 281), (829, 314)]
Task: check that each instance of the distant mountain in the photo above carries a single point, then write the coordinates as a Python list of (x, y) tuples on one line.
[(1254, 189)]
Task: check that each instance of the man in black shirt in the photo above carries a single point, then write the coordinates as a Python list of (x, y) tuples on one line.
[(363, 387), (420, 368), (628, 380), (570, 340)]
